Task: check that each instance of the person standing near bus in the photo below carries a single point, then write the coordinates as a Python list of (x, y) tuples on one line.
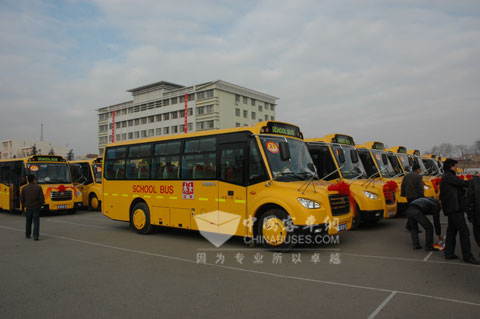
[(412, 187), (416, 212), (32, 200), (473, 205), (452, 193)]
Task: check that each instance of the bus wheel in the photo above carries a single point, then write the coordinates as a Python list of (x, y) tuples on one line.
[(276, 230), (140, 219), (93, 202), (356, 218)]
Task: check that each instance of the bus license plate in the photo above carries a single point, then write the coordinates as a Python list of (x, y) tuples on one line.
[(61, 206), (391, 213), (342, 227)]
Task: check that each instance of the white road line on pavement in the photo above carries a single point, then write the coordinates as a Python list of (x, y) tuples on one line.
[(252, 271), (428, 256), (383, 304), (86, 225)]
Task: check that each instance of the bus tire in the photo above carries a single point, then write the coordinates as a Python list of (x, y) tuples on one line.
[(140, 219), (93, 202), (275, 229), (356, 218)]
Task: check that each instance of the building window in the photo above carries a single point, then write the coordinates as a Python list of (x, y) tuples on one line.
[(190, 111), (165, 130), (151, 119), (144, 120), (237, 112), (209, 93), (190, 127), (137, 134), (144, 133), (130, 135), (253, 102), (266, 117), (124, 124), (181, 128), (166, 117), (118, 136), (266, 106), (245, 100), (118, 125), (206, 109), (272, 107), (259, 108), (191, 97), (124, 136), (272, 118), (137, 121), (181, 99), (158, 117), (151, 132), (158, 131), (110, 138), (130, 123), (110, 126), (174, 129), (166, 102), (245, 114), (174, 115), (237, 124), (253, 115), (237, 98), (174, 100), (200, 95)]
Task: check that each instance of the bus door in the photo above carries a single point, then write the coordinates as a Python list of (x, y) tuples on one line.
[(232, 190), (5, 187), (17, 178)]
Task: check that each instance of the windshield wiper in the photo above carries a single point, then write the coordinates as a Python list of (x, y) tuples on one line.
[(297, 175)]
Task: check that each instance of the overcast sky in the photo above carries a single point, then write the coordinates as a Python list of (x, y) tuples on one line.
[(402, 72)]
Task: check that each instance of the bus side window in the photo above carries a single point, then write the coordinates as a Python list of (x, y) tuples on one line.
[(233, 164)]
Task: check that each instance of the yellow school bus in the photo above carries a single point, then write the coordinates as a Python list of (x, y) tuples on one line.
[(89, 175), (336, 158), (398, 157), (431, 183), (377, 165), (52, 174), (257, 182)]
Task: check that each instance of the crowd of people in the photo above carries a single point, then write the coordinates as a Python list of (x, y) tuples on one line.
[(457, 197)]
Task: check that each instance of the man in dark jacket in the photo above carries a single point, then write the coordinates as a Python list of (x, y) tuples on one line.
[(452, 190), (473, 206), (32, 199), (416, 215), (412, 187)]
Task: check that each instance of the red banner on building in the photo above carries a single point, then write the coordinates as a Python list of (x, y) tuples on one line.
[(186, 112), (113, 126)]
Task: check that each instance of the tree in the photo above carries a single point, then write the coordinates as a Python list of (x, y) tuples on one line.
[(51, 152), (70, 155), (34, 149)]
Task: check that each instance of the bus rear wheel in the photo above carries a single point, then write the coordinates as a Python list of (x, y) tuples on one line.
[(93, 202), (140, 219), (276, 230)]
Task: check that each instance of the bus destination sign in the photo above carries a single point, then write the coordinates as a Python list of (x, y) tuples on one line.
[(37, 158), (343, 139), (282, 129)]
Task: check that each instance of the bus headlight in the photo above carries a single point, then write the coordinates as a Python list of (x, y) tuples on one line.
[(310, 204), (426, 187), (370, 195)]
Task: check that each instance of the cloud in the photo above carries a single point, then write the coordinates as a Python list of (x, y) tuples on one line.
[(403, 72)]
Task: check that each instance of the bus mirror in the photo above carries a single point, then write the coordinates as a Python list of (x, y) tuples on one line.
[(341, 156), (384, 159), (354, 155), (284, 151), (312, 167)]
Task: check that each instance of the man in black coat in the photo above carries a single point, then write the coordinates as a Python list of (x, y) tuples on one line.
[(452, 193), (473, 206), (412, 187), (32, 200), (416, 215)]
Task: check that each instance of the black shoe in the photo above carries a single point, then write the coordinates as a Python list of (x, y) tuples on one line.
[(36, 238), (472, 260), (417, 247), (451, 257)]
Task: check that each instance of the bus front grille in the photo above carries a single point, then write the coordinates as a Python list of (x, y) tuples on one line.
[(340, 204), (389, 197), (60, 196)]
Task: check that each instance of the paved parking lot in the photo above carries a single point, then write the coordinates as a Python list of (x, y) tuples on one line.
[(86, 265)]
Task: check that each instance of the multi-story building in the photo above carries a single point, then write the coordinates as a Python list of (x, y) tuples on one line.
[(159, 109), (21, 148)]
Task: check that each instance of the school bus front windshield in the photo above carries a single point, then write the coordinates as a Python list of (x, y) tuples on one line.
[(300, 158), (385, 169), (97, 173), (349, 169), (405, 162), (50, 173)]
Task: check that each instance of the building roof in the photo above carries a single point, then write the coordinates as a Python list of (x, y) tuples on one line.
[(162, 84)]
